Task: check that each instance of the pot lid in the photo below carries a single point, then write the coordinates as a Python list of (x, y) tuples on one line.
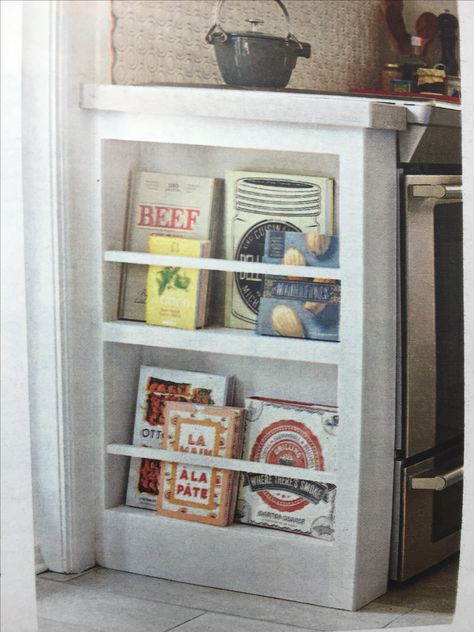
[(218, 33)]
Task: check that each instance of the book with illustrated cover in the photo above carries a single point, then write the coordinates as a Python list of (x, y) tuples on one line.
[(256, 203), (293, 434), (301, 249), (163, 204), (190, 492), (177, 297), (156, 387), (300, 308)]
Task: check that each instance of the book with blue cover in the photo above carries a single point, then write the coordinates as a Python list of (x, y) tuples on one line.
[(303, 249), (296, 308)]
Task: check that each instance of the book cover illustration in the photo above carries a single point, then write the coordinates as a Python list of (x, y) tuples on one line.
[(176, 297), (156, 387), (256, 203), (293, 434), (163, 204), (189, 492), (298, 308), (301, 249)]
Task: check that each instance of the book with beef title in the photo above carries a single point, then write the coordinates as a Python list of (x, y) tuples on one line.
[(177, 297), (163, 204), (293, 434), (156, 387), (198, 493)]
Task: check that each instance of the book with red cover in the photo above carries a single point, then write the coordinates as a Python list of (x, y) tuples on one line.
[(157, 386)]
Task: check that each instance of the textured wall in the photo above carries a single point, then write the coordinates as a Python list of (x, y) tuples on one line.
[(163, 40)]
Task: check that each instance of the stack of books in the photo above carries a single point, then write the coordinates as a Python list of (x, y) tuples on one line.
[(166, 205), (156, 387)]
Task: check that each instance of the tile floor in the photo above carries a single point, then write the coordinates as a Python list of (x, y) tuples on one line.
[(113, 601)]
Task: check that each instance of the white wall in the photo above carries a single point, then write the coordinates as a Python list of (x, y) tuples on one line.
[(18, 568)]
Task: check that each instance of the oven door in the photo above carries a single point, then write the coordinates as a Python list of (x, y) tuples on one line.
[(432, 390), (429, 507)]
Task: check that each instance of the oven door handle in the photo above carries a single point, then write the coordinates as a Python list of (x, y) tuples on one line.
[(438, 482), (438, 191)]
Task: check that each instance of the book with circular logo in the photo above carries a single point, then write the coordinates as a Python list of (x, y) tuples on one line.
[(296, 435), (255, 204)]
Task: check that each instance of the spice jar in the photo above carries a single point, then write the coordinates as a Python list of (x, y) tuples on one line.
[(390, 71), (431, 80), (452, 86), (401, 85)]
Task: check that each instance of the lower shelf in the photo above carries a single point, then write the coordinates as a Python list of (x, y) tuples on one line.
[(239, 557), (192, 529), (222, 340)]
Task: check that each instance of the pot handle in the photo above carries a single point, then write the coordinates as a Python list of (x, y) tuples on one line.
[(216, 29)]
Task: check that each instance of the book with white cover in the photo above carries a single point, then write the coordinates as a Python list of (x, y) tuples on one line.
[(259, 202), (291, 434), (156, 387)]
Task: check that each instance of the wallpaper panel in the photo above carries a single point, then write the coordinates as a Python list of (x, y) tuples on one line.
[(163, 41)]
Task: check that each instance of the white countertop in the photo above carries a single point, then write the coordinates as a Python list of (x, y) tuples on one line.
[(372, 112)]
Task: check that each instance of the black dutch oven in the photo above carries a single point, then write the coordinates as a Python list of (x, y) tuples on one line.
[(254, 59)]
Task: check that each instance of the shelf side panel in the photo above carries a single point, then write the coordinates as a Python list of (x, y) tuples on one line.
[(120, 394), (377, 428)]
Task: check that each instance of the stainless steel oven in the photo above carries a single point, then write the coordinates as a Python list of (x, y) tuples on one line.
[(429, 441)]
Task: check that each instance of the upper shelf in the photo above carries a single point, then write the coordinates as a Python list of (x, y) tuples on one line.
[(254, 105)]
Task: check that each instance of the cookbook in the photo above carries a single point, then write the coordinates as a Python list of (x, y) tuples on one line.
[(300, 308), (254, 204), (163, 204), (156, 387), (297, 435), (198, 493), (177, 297)]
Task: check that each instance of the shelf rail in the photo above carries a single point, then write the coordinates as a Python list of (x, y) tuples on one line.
[(237, 465), (223, 265)]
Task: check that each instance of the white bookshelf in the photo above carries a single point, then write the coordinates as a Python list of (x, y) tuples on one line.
[(219, 340), (207, 132)]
